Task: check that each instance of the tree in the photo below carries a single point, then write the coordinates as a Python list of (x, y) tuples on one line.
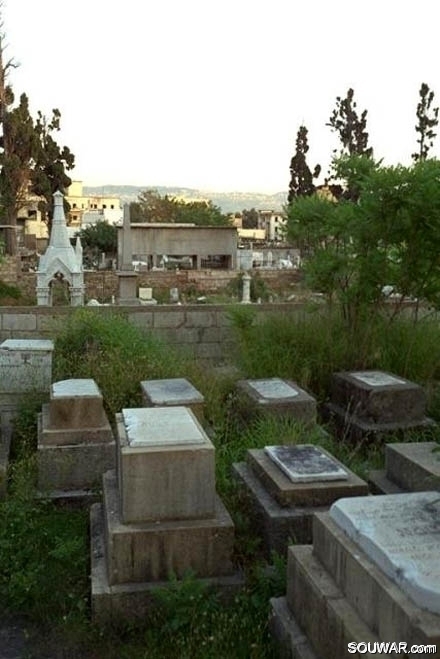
[(427, 118), (389, 236), (152, 207), (250, 219), (350, 127), (301, 177), (98, 238), (50, 164)]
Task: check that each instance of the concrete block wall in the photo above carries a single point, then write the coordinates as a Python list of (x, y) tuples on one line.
[(204, 332)]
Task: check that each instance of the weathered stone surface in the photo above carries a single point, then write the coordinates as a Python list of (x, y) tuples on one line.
[(165, 465), (317, 493), (290, 639), (401, 534), (152, 551), (133, 601), (379, 602), (76, 404), (414, 466), (306, 463), (280, 397), (70, 435), (172, 392), (25, 365), (377, 397)]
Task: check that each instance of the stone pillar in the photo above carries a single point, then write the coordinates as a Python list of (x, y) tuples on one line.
[(246, 289)]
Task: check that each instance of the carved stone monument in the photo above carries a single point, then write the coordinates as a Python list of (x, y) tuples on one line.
[(371, 576), (75, 440), (161, 515), (286, 485), (374, 404), (60, 261)]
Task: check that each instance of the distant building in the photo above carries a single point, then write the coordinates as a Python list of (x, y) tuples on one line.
[(274, 224), (104, 207)]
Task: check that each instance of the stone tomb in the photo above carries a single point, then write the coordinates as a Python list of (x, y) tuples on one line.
[(173, 392), (372, 576), (161, 515), (25, 367), (276, 396), (286, 485), (375, 404), (409, 467), (75, 441)]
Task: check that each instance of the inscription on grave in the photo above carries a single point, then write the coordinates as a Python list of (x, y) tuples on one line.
[(377, 378), (400, 533), (306, 463), (273, 388)]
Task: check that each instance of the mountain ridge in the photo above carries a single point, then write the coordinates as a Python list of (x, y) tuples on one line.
[(229, 202)]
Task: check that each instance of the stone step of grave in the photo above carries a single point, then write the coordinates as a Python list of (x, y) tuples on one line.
[(48, 435), (133, 601), (291, 642), (275, 396), (353, 429), (380, 484), (414, 466), (277, 526), (381, 603), (378, 397), (151, 551), (319, 607)]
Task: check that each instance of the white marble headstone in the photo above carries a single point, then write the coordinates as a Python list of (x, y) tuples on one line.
[(171, 391), (377, 378), (306, 463), (156, 426), (400, 533), (274, 388)]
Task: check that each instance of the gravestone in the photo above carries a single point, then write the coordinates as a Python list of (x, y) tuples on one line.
[(127, 277), (25, 368), (246, 295), (409, 467), (372, 575), (160, 515), (174, 295), (285, 485), (146, 296), (171, 392), (75, 440), (275, 396), (375, 404)]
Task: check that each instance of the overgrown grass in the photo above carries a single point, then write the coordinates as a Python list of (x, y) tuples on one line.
[(44, 552)]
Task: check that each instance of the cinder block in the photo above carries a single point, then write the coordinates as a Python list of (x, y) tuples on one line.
[(166, 466), (170, 318)]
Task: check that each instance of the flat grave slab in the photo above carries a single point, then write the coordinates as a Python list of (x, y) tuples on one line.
[(172, 392), (152, 427), (306, 463), (378, 397), (277, 396), (400, 533)]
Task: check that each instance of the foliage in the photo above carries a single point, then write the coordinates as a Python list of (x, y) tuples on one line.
[(389, 236), (350, 127), (152, 207), (258, 287), (250, 219), (98, 238), (427, 120), (301, 177)]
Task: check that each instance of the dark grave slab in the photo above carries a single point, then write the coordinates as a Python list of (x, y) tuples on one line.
[(306, 463)]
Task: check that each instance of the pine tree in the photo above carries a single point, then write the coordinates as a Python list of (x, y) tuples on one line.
[(427, 118), (350, 127), (301, 177)]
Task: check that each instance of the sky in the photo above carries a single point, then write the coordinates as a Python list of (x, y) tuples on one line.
[(209, 94)]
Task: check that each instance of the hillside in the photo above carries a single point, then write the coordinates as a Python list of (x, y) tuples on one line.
[(229, 202)]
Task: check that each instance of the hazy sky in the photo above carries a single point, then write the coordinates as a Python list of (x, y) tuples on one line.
[(210, 93)]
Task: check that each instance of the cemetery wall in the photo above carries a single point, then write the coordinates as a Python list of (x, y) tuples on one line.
[(204, 331)]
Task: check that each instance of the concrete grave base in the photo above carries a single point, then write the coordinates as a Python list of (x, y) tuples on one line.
[(50, 436), (128, 600), (355, 430), (409, 467), (291, 641), (336, 595), (73, 467), (277, 397), (151, 551), (282, 511)]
